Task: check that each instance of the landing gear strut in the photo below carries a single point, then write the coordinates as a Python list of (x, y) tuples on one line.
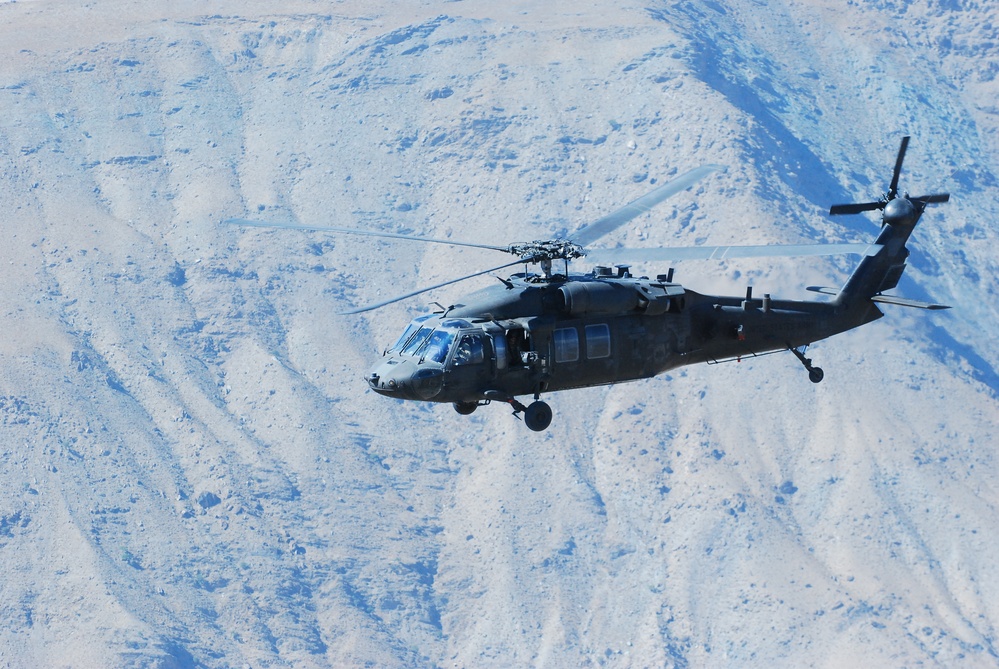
[(815, 374), (537, 416)]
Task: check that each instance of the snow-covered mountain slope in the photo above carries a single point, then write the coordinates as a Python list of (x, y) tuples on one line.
[(194, 473)]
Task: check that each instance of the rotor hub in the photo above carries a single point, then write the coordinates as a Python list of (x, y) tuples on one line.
[(900, 211), (547, 250)]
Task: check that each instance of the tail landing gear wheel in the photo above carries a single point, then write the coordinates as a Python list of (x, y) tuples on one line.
[(815, 374), (538, 416), (465, 408)]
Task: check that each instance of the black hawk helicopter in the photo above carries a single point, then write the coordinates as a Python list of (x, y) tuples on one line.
[(539, 333)]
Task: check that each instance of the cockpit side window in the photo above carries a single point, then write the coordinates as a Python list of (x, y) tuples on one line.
[(470, 350)]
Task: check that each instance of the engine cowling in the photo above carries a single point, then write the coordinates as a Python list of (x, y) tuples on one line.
[(598, 297)]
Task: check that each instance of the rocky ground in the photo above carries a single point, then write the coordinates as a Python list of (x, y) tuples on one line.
[(195, 474)]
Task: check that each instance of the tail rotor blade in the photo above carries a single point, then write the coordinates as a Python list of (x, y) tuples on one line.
[(893, 188), (936, 198), (837, 209)]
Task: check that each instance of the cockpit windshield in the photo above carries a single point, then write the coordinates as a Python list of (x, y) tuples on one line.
[(422, 340), (416, 341), (410, 330), (437, 346)]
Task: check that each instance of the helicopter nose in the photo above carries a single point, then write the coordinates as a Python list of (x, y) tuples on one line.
[(899, 211), (385, 379), (404, 379), (381, 385)]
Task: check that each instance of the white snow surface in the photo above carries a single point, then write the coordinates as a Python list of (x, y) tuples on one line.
[(194, 473)]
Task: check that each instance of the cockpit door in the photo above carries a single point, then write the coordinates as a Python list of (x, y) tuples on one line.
[(470, 367)]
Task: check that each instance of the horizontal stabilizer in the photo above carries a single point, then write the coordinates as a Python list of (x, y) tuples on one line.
[(903, 302), (885, 299)]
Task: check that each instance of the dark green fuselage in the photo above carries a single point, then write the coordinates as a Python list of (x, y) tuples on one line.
[(534, 335)]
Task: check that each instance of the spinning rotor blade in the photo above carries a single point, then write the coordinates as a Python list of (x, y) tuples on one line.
[(354, 231), (725, 252), (597, 229), (399, 298)]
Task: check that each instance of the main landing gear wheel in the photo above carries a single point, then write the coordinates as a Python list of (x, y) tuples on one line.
[(815, 374), (465, 408), (538, 416)]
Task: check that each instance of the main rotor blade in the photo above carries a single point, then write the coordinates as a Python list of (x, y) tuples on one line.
[(597, 229), (893, 188), (837, 209), (724, 252), (354, 231), (399, 298)]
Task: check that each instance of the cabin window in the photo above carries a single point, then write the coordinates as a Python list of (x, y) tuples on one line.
[(598, 344), (566, 345), (470, 350)]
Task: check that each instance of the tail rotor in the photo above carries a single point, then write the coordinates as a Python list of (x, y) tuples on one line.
[(895, 210)]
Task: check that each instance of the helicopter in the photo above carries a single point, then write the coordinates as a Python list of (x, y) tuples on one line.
[(539, 332)]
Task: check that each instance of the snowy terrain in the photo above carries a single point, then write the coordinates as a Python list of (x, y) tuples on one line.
[(194, 473)]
